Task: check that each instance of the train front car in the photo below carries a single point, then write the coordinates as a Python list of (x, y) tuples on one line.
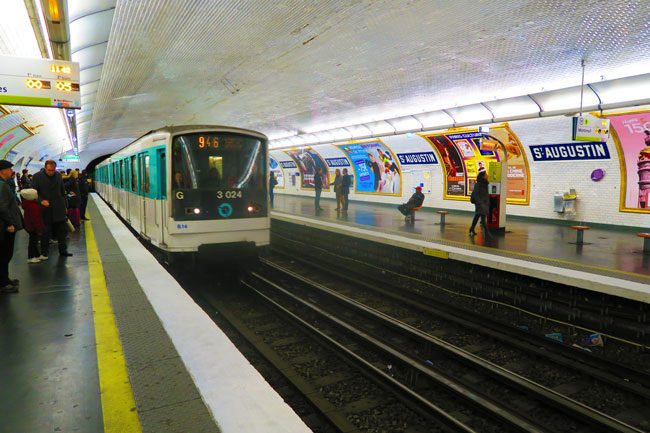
[(218, 198)]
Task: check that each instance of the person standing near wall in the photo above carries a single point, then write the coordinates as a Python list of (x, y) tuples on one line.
[(84, 189), (481, 199), (318, 188), (11, 221), (346, 182), (272, 182), (337, 189)]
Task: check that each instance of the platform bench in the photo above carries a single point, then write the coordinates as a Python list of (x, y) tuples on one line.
[(646, 242), (580, 234), (442, 214)]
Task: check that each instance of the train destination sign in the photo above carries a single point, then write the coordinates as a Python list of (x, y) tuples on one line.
[(39, 82)]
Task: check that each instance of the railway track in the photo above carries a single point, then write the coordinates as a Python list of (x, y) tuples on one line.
[(490, 390)]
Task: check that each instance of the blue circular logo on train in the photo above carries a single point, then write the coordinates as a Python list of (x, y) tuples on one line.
[(225, 210)]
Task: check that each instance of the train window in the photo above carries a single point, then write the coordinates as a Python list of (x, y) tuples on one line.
[(218, 160), (134, 174), (122, 177), (145, 174)]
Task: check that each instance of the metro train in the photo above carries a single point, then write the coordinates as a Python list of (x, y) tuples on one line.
[(196, 189)]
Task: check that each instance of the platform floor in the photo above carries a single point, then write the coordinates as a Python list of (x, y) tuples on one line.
[(107, 341), (51, 337), (608, 252)]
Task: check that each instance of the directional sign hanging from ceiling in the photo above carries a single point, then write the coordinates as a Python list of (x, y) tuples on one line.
[(39, 82)]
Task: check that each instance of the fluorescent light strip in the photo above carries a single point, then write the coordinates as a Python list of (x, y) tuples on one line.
[(41, 22)]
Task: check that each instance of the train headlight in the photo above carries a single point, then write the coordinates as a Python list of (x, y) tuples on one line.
[(253, 208), (197, 211), (250, 208)]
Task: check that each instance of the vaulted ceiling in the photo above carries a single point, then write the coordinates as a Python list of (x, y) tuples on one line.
[(286, 67)]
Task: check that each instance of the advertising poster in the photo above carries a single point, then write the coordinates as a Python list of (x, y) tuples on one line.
[(631, 133), (277, 172), (9, 139), (308, 162), (461, 154), (376, 170)]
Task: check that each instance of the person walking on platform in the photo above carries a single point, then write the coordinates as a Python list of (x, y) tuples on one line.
[(318, 187), (346, 182), (51, 195), (272, 182), (84, 188), (416, 200), (11, 221), (481, 199), (33, 215)]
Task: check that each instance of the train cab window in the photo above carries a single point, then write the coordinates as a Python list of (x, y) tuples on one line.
[(218, 161)]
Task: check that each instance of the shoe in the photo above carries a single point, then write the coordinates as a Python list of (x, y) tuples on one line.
[(66, 254), (15, 282), (9, 288), (338, 208), (34, 260), (472, 233), (88, 219), (42, 257)]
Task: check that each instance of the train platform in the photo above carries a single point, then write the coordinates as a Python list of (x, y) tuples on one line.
[(107, 341), (610, 261)]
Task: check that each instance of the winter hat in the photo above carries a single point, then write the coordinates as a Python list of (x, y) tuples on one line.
[(29, 194)]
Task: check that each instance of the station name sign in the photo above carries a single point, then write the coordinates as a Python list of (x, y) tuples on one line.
[(288, 164), (417, 158), (337, 162), (39, 82), (570, 151)]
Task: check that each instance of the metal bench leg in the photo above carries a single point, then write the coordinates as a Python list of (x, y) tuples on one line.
[(646, 245), (442, 219), (579, 237)]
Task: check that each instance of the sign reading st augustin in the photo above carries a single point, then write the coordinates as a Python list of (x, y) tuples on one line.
[(570, 151)]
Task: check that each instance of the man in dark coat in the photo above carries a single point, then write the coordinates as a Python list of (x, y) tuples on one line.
[(346, 182), (318, 187), (416, 200), (11, 220), (481, 199), (51, 195)]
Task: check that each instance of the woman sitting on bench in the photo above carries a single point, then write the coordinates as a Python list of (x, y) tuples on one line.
[(414, 202)]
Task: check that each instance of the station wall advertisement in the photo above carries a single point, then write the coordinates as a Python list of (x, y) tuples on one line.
[(631, 133), (308, 161), (376, 169), (11, 138), (460, 153), (277, 171)]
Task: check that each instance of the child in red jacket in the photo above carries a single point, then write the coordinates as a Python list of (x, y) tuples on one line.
[(33, 223)]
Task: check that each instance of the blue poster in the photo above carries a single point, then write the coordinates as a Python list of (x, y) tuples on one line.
[(375, 168)]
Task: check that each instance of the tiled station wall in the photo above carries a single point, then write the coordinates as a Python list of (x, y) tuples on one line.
[(598, 202)]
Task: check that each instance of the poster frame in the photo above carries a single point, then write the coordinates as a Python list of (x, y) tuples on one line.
[(460, 130), (621, 158), (356, 183)]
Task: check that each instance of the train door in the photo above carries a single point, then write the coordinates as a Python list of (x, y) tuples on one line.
[(144, 191), (162, 185)]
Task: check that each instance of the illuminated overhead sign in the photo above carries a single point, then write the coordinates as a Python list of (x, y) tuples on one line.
[(71, 158), (39, 82), (590, 128)]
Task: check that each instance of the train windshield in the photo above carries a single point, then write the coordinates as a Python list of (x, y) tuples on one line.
[(218, 160)]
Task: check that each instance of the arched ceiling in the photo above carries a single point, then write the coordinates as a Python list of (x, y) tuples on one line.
[(288, 67)]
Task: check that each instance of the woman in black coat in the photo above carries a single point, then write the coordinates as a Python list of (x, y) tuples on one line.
[(481, 199)]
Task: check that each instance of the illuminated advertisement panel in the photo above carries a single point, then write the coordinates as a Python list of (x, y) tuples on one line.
[(460, 153), (376, 170), (277, 172), (631, 133), (308, 162)]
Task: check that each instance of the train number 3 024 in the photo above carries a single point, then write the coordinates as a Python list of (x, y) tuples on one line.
[(229, 194)]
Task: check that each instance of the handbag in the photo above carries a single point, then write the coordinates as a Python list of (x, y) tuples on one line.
[(69, 225)]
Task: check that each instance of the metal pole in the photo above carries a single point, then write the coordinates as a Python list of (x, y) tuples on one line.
[(582, 85)]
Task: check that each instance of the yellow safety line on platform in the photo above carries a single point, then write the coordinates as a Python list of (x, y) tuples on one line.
[(118, 405)]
